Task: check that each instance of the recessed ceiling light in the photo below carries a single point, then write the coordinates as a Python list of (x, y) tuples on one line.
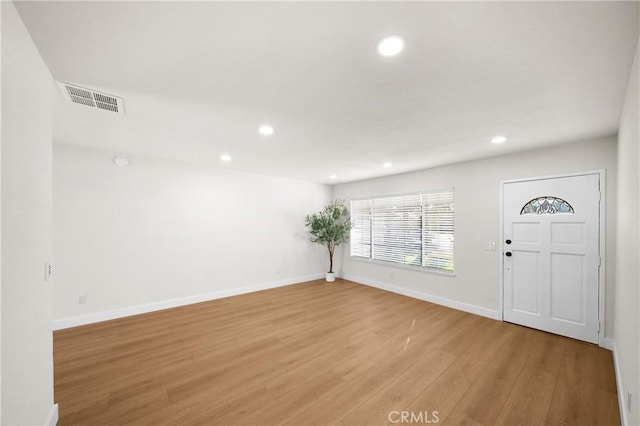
[(498, 139), (265, 130), (225, 157), (391, 45), (121, 161), (387, 164), (333, 177)]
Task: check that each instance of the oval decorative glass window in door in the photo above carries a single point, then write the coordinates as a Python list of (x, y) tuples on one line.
[(547, 205)]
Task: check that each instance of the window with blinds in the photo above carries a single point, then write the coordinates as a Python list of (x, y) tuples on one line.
[(361, 228), (409, 229)]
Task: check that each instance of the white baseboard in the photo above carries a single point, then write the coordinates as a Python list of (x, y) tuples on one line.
[(52, 420), (173, 303), (607, 343), (473, 309), (622, 401)]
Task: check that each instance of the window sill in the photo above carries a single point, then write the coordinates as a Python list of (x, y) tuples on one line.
[(404, 267)]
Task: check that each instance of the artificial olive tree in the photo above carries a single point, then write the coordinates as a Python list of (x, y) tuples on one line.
[(330, 227)]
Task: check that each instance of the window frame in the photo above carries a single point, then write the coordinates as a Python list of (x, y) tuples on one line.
[(415, 268)]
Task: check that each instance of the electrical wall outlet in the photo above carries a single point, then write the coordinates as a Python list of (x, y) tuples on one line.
[(47, 271), (82, 299)]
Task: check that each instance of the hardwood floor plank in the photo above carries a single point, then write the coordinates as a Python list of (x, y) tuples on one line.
[(458, 419), (575, 395), (608, 409), (443, 395), (401, 391), (548, 352), (486, 397), (318, 354), (529, 400), (472, 362), (606, 373)]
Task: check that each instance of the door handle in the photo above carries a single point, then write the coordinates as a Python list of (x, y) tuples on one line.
[(508, 241), (508, 254)]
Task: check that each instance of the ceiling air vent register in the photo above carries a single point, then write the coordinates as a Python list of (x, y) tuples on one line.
[(91, 98)]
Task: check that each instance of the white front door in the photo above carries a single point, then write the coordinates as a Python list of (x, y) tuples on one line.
[(552, 255)]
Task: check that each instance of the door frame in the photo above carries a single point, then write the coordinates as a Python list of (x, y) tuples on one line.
[(602, 243)]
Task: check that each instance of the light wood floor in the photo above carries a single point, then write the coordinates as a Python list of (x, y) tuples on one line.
[(318, 353)]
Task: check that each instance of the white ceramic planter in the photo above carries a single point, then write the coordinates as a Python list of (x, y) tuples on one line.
[(330, 277)]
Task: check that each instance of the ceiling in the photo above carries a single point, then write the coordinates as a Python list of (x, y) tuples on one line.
[(199, 78)]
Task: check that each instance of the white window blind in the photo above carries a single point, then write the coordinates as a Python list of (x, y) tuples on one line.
[(361, 228), (396, 231), (437, 230), (409, 229)]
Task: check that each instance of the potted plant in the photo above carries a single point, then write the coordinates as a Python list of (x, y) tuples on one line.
[(330, 228)]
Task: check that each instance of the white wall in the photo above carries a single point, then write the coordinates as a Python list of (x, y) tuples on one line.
[(27, 353), (627, 296), (477, 219), (161, 230), (1, 8), (0, 224)]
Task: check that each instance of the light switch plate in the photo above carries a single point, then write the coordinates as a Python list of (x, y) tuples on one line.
[(490, 246)]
